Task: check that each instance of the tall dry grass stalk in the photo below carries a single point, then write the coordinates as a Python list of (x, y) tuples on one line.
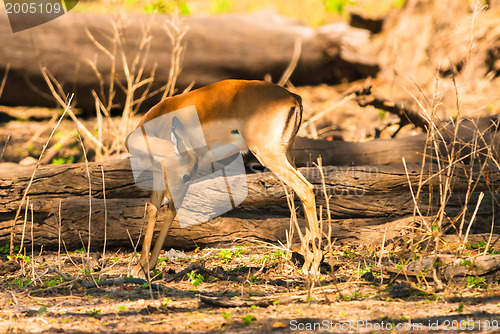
[(37, 165), (328, 236), (136, 88), (447, 158), (4, 147), (297, 50), (105, 218), (2, 87), (32, 248), (21, 246), (176, 29), (87, 171)]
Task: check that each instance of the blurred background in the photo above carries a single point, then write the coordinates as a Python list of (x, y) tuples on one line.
[(311, 12)]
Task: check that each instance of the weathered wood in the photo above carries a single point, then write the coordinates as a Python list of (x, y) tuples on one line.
[(369, 195), (452, 266), (366, 195), (128, 214), (61, 181), (373, 152), (246, 46), (127, 218)]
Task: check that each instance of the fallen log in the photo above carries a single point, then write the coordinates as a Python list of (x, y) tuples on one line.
[(69, 218), (62, 181), (480, 132), (125, 222), (367, 195), (245, 46)]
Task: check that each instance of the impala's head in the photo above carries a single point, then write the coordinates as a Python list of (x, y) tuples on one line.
[(163, 146)]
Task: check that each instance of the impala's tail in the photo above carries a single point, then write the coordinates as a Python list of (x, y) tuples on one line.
[(292, 123)]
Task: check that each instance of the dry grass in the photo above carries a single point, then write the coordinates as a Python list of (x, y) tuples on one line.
[(26, 191), (109, 139)]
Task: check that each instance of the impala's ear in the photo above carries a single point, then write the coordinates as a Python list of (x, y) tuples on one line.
[(175, 141), (179, 137)]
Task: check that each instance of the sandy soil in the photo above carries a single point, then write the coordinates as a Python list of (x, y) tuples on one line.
[(350, 300)]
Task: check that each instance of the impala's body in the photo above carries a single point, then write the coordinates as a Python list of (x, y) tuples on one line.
[(226, 104), (255, 115)]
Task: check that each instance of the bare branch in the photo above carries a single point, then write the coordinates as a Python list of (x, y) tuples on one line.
[(297, 50), (4, 79), (365, 97), (176, 32)]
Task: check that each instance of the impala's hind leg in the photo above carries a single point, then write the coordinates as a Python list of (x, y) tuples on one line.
[(278, 163)]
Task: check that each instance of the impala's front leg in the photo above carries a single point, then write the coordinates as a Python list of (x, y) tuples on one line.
[(167, 223), (142, 269)]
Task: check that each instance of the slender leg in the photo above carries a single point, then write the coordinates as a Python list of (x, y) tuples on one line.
[(167, 223), (168, 219), (142, 268), (281, 167), (148, 262)]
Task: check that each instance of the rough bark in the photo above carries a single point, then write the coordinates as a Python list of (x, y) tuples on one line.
[(125, 217), (362, 197), (61, 181)]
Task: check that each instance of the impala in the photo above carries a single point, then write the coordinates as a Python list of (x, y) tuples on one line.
[(251, 115)]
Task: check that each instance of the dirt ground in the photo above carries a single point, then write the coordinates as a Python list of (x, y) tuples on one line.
[(248, 276)]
